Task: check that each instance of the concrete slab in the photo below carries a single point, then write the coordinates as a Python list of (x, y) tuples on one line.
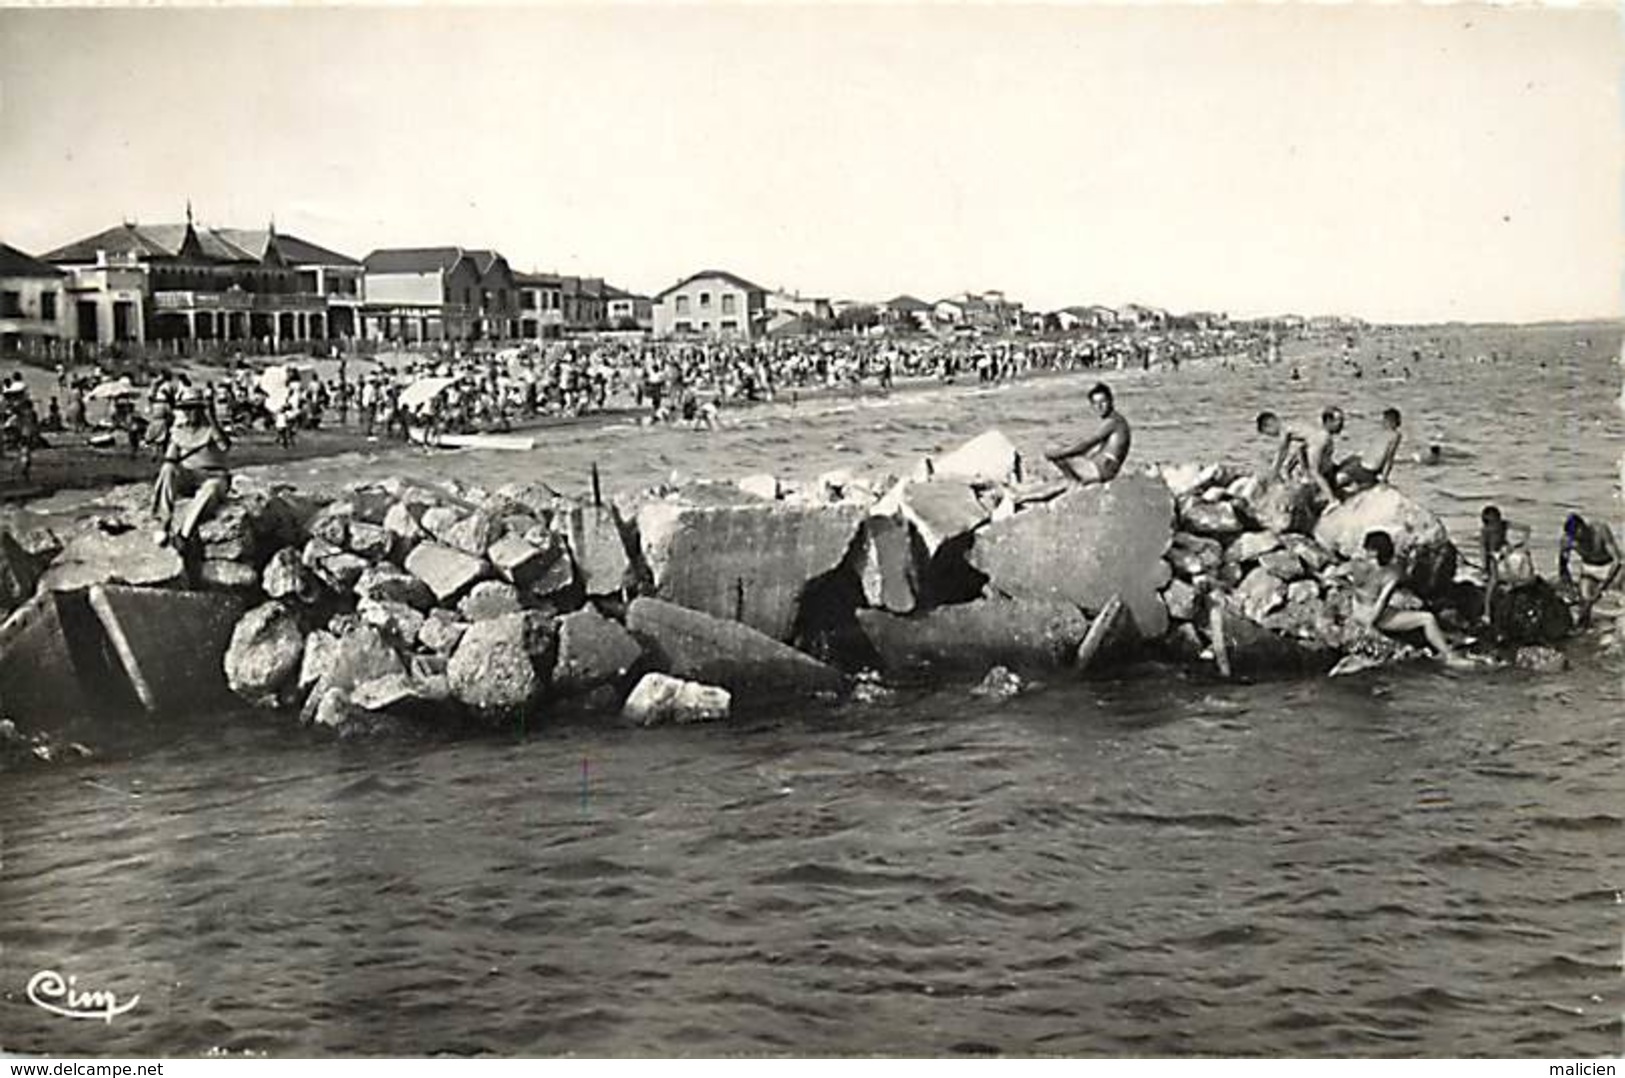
[(692, 644), (170, 644), (749, 563), (1019, 633), (55, 665)]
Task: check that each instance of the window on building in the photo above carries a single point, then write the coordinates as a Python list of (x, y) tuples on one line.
[(705, 299), (11, 304), (705, 327), (47, 306), (730, 326), (527, 302), (682, 304), (684, 327), (728, 299), (468, 297)]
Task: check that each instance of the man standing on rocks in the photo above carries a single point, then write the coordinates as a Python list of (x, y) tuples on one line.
[(194, 464), (1100, 455), (1323, 454)]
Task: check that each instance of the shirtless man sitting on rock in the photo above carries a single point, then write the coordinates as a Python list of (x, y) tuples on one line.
[(1100, 455)]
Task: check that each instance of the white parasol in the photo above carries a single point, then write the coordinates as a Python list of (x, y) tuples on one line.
[(424, 390)]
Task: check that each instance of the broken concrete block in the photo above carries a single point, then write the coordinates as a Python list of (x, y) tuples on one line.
[(597, 546), (516, 560), (53, 665), (285, 577), (489, 599), (437, 520), (1084, 547), (321, 653), (385, 583), (402, 522), (693, 644), (95, 557), (332, 525), (500, 666), (1250, 546), (362, 654), (593, 651), (1283, 564), (1018, 633), (263, 656), (1181, 600), (942, 511), (342, 571), (989, 457), (447, 572), (473, 534), (751, 563), (887, 569), (658, 699), (370, 541), (1260, 594), (1218, 519), (399, 622), (441, 632), (171, 644)]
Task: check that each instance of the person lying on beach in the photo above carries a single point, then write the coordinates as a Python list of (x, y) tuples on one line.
[(1100, 455), (1599, 561), (1291, 452), (1374, 599)]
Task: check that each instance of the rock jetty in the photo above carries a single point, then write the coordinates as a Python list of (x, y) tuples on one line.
[(402, 603)]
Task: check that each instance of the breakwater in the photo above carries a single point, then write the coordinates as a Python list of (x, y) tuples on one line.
[(400, 603)]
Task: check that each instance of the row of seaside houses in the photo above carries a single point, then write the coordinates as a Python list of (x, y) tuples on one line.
[(188, 285)]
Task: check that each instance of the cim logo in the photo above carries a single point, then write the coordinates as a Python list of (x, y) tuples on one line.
[(60, 995)]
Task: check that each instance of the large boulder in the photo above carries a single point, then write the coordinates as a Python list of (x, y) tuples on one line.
[(692, 644), (473, 534), (593, 651), (262, 659), (1084, 547), (1251, 546), (1019, 633), (658, 699), (441, 632), (1260, 594), (1422, 545), (285, 577), (500, 667), (96, 556), (751, 562), (447, 572), (989, 457)]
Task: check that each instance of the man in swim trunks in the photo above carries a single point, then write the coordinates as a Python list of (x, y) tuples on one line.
[(1357, 473), (1290, 456), (1100, 455), (1599, 561), (1322, 453)]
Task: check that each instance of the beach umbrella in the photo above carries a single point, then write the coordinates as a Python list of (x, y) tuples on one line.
[(118, 387), (424, 390)]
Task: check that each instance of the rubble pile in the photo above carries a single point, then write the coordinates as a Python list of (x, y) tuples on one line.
[(401, 604)]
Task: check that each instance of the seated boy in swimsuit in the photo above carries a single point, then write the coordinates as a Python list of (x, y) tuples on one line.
[(1507, 563), (1359, 472), (1373, 603), (1599, 561), (1100, 455)]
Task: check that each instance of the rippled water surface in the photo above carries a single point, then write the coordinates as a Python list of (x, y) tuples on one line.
[(1410, 862)]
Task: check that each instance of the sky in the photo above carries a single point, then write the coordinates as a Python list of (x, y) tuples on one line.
[(1399, 163)]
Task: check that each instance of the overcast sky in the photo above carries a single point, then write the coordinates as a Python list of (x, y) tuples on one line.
[(1413, 164)]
